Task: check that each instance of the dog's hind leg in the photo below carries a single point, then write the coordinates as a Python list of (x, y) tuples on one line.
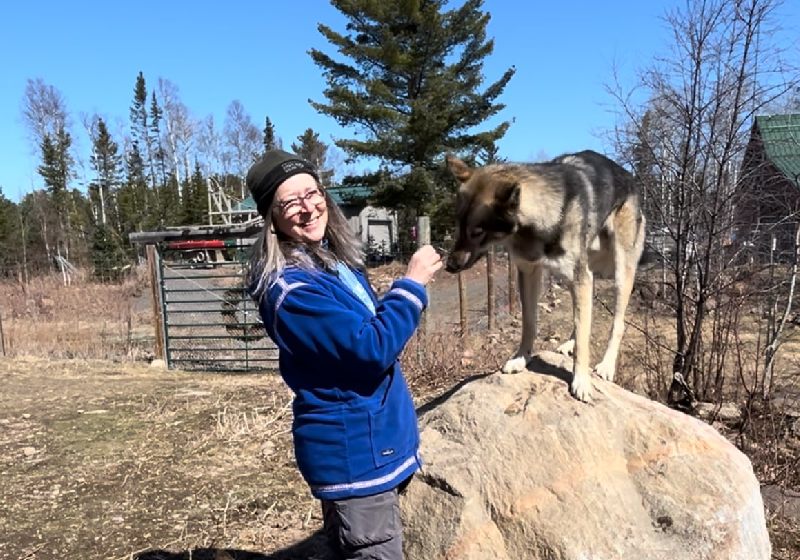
[(567, 348), (582, 289), (623, 286), (530, 280), (627, 251)]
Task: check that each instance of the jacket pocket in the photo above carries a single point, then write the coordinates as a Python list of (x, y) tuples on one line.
[(392, 434)]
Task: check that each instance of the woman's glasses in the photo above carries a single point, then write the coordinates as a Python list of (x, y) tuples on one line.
[(293, 206)]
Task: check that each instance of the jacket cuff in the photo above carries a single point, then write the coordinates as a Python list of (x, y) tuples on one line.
[(412, 290)]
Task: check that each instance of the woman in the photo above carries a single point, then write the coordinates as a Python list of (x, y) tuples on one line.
[(355, 427)]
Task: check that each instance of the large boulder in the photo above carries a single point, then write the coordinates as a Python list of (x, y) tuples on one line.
[(516, 468)]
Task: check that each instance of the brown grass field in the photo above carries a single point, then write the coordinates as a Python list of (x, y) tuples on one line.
[(102, 456)]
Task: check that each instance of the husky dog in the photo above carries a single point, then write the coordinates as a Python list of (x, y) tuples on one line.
[(575, 216)]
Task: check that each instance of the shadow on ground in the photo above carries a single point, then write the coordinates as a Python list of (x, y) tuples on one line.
[(312, 548)]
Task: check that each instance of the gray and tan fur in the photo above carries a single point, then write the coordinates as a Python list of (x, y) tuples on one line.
[(576, 216)]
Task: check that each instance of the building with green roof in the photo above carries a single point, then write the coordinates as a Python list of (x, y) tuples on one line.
[(771, 171)]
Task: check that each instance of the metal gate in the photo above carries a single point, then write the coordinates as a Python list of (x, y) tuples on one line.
[(209, 320)]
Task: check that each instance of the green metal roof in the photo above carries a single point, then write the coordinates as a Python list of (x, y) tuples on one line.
[(350, 195), (780, 135), (247, 204)]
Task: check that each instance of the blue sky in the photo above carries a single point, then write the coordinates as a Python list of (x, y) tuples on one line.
[(256, 52)]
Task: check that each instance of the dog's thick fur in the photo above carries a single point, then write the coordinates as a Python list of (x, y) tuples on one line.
[(575, 216)]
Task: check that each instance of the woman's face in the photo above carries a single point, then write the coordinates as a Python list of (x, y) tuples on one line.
[(300, 209)]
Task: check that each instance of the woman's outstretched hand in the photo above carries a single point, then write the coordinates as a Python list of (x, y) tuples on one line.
[(424, 264)]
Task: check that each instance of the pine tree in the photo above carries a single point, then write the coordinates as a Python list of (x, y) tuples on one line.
[(411, 82), (10, 235), (195, 200), (145, 155), (200, 194), (46, 212), (312, 149), (133, 196), (271, 141), (159, 154), (56, 170), (81, 222), (36, 222), (169, 212), (106, 163), (108, 253), (141, 131), (138, 111)]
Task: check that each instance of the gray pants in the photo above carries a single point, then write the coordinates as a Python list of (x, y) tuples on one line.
[(367, 528)]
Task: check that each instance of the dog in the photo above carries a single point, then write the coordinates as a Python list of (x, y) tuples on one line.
[(576, 216)]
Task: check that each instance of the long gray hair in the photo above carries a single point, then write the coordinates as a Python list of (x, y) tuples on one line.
[(273, 251)]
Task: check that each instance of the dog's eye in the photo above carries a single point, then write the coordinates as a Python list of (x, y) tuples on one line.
[(477, 232)]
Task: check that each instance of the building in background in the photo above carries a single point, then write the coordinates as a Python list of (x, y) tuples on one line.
[(771, 175)]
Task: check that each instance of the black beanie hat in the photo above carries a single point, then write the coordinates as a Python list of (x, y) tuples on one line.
[(267, 174)]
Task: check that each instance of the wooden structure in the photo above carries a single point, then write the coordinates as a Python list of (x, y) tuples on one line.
[(771, 174)]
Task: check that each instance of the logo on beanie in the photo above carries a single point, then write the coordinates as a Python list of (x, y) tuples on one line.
[(293, 165)]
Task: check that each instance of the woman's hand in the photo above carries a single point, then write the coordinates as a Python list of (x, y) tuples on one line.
[(424, 264)]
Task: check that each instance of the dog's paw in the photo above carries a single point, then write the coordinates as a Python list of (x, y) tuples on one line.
[(568, 348), (515, 365), (581, 387), (605, 370)]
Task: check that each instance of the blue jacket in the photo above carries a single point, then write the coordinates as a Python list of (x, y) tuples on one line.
[(355, 425)]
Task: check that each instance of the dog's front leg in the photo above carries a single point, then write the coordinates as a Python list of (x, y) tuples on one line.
[(530, 279), (582, 288)]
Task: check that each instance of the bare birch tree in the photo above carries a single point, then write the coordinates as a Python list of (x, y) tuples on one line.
[(180, 129), (686, 145), (44, 111), (209, 147), (242, 140), (45, 115)]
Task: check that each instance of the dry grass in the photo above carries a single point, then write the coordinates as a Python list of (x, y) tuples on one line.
[(86, 319), (785, 537), (263, 422), (437, 362), (214, 453), (103, 460)]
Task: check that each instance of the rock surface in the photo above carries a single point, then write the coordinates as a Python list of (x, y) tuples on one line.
[(515, 468)]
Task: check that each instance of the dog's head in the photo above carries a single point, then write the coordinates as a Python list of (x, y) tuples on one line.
[(486, 209)]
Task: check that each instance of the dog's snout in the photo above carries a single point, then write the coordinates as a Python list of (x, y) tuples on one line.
[(455, 261)]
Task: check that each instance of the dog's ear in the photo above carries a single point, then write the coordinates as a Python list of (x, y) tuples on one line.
[(507, 196), (458, 168)]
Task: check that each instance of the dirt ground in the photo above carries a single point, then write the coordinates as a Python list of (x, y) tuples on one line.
[(101, 460), (118, 460)]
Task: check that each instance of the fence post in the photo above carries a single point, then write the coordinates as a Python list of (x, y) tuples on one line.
[(424, 238), (423, 231), (462, 302), (155, 294), (490, 304)]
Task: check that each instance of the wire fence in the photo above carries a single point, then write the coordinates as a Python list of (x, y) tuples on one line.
[(223, 330)]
